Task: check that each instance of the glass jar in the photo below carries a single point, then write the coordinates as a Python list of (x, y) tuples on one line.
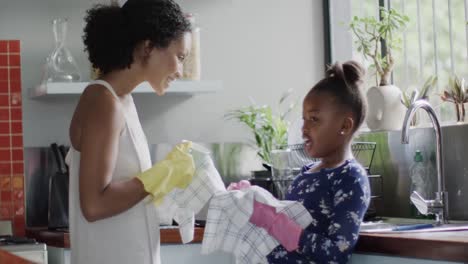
[(192, 64), (281, 171), (61, 64)]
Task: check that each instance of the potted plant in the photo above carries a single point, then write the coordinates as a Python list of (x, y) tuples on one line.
[(407, 99), (456, 93), (270, 130), (385, 112)]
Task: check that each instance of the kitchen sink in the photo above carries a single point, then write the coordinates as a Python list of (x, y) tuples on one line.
[(409, 225)]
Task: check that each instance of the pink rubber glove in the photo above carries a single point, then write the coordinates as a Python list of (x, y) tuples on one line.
[(238, 185), (278, 225)]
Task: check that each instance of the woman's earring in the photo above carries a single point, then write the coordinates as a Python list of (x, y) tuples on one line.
[(341, 132)]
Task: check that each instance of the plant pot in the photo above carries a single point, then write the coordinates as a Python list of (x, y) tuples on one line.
[(385, 110)]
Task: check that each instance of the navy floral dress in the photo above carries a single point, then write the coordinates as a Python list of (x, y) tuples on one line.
[(337, 200)]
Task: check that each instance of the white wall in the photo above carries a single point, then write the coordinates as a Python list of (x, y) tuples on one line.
[(258, 48)]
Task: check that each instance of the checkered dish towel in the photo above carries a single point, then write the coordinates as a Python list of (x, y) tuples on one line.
[(182, 204), (228, 228)]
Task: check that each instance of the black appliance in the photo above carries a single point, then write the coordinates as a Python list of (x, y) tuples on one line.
[(58, 190)]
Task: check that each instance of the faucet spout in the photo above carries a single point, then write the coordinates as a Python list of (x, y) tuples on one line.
[(441, 195)]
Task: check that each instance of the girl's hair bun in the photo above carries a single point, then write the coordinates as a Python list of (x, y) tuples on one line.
[(351, 72)]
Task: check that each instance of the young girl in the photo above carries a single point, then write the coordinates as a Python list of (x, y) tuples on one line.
[(335, 190)]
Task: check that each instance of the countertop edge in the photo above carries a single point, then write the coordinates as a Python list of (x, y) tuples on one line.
[(7, 257), (62, 239), (407, 245), (414, 247)]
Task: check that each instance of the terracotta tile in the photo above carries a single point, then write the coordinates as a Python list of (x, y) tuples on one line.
[(5, 155), (5, 181), (15, 86), (17, 141), (17, 182), (15, 74), (6, 210), (19, 208), (4, 114), (3, 86), (4, 100), (5, 197), (5, 169), (15, 99), (19, 225), (14, 60), (16, 114), (18, 168), (4, 141), (3, 46), (16, 127), (3, 74), (18, 195), (17, 155), (5, 128), (19, 230), (14, 46), (3, 60), (19, 219)]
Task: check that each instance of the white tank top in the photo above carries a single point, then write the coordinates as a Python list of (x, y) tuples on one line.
[(131, 236)]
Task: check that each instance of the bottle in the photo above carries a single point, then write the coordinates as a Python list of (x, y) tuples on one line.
[(192, 64), (62, 66), (420, 174)]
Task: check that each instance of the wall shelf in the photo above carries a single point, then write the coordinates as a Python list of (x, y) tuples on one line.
[(177, 87)]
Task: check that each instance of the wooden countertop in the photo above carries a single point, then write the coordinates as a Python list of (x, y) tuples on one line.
[(62, 239), (7, 257), (448, 246)]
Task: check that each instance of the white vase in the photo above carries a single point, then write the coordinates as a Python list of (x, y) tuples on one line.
[(385, 110)]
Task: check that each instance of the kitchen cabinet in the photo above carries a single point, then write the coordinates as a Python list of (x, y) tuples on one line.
[(383, 259), (177, 253), (172, 249), (76, 88), (58, 255), (190, 253)]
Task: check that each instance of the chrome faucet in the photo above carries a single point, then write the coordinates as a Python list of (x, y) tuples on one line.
[(439, 205)]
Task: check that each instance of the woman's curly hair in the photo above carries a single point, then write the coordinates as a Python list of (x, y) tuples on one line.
[(112, 32)]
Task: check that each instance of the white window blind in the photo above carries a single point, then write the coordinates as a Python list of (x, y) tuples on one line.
[(435, 42)]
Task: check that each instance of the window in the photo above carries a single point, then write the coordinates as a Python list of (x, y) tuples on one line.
[(434, 43)]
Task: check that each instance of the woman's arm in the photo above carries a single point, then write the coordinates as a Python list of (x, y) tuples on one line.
[(101, 123)]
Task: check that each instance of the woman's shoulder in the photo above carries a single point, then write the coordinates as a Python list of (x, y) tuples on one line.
[(99, 97), (97, 91), (98, 104)]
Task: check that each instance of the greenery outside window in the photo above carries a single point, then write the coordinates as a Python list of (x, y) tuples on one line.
[(434, 44)]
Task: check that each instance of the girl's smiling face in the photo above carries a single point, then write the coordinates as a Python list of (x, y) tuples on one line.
[(324, 130)]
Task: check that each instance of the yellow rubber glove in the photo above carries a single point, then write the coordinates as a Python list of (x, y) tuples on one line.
[(174, 171)]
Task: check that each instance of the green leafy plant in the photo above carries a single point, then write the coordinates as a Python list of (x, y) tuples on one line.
[(270, 130), (456, 93), (370, 32), (407, 99)]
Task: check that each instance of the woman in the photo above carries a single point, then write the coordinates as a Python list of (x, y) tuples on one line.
[(111, 172)]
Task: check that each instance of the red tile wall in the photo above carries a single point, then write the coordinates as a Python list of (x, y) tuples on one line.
[(11, 137)]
